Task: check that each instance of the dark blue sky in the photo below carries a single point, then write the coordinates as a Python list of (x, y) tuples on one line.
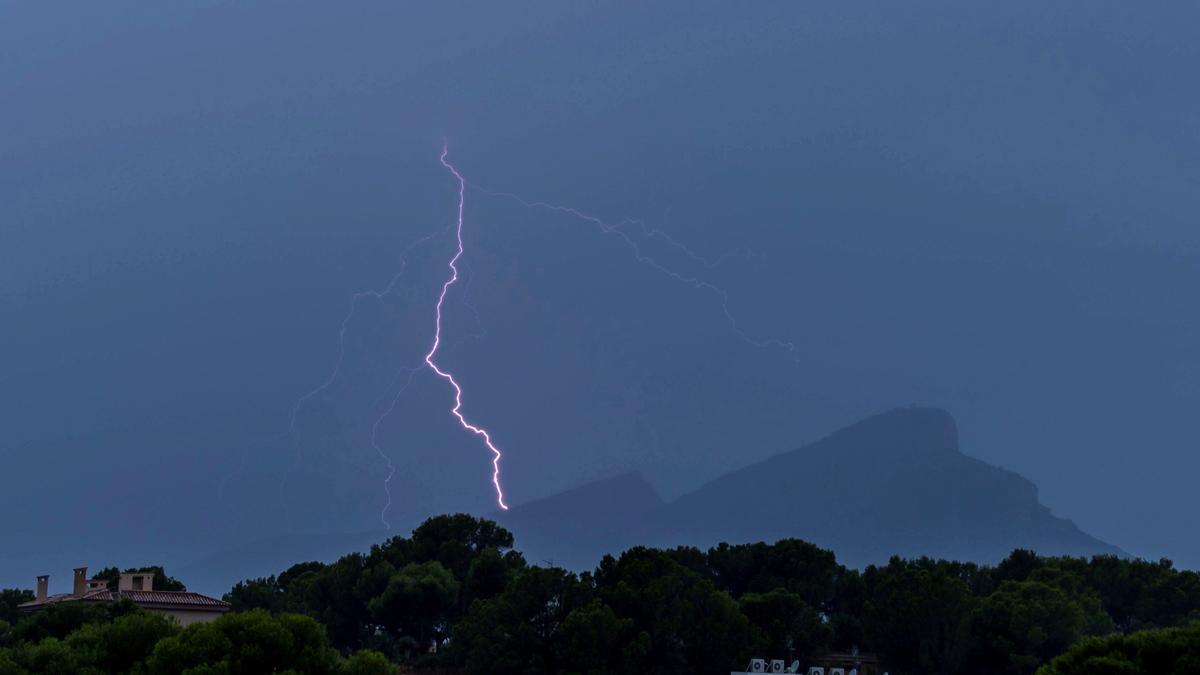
[(986, 208)]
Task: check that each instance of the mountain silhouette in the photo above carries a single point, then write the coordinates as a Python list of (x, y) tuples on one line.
[(893, 484), (575, 527)]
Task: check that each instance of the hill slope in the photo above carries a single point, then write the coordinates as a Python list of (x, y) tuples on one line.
[(576, 527), (895, 483)]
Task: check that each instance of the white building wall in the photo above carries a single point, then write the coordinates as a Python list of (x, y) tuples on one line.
[(187, 617)]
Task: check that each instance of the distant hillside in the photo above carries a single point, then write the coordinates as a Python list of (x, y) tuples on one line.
[(895, 483), (550, 526), (573, 527)]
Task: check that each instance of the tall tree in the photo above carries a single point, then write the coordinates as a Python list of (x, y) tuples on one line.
[(1026, 623), (914, 616), (417, 603)]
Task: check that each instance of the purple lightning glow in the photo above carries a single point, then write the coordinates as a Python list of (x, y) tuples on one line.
[(293, 431), (618, 230), (379, 295), (631, 232), (437, 336), (391, 468)]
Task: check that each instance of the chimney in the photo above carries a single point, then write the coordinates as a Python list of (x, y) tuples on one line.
[(136, 581), (80, 582), (43, 587)]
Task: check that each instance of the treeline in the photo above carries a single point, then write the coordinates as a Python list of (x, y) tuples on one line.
[(456, 595), (92, 639), (97, 638)]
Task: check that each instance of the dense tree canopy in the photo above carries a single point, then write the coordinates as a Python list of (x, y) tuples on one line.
[(456, 595), (132, 640), (1171, 651), (9, 599)]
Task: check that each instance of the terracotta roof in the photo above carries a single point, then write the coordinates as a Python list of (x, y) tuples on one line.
[(150, 599), (60, 597), (167, 598)]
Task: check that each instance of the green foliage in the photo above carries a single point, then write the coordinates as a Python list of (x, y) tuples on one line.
[(1142, 594), (845, 613), (116, 647), (593, 639), (1026, 623), (364, 600), (247, 642), (789, 626), (367, 662), (107, 643), (915, 613), (417, 597), (161, 581), (687, 621), (61, 619), (456, 595), (796, 566), (9, 599), (518, 630), (8, 666), (261, 593), (455, 541), (457, 587), (1171, 651), (487, 576), (417, 603)]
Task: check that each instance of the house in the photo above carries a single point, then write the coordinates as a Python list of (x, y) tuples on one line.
[(838, 663), (183, 606), (830, 664)]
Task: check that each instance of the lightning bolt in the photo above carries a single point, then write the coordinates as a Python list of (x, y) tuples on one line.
[(437, 336), (293, 431), (387, 461), (618, 230), (335, 372)]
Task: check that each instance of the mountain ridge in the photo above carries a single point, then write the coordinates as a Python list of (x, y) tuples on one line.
[(895, 483)]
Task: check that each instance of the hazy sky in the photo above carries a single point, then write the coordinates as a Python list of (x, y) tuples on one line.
[(984, 207)]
